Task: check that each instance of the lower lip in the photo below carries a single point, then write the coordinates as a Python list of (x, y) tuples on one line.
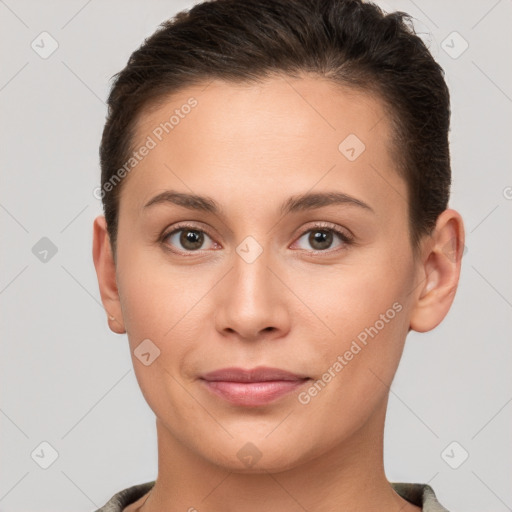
[(253, 393)]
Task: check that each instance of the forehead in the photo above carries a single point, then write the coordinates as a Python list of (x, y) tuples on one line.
[(283, 136)]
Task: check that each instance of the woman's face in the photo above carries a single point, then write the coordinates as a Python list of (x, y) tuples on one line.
[(264, 279)]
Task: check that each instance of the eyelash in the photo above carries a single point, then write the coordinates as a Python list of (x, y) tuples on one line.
[(322, 226)]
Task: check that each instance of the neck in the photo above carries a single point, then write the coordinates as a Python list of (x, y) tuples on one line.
[(350, 476)]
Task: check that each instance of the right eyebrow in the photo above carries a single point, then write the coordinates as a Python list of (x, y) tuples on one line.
[(190, 201)]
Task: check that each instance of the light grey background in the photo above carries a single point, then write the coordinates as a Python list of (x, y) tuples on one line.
[(68, 381)]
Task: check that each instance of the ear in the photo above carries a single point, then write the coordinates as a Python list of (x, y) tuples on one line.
[(439, 272), (106, 273)]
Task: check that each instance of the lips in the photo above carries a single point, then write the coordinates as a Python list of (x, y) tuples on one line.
[(252, 387), (259, 374)]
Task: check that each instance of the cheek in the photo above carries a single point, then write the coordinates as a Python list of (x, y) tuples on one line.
[(154, 296), (158, 306), (355, 297), (368, 341), (357, 365), (366, 309), (169, 306)]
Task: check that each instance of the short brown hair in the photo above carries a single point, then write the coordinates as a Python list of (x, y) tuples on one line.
[(350, 42)]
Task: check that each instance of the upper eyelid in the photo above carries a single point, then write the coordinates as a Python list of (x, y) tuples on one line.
[(182, 227), (319, 225), (185, 225), (329, 226)]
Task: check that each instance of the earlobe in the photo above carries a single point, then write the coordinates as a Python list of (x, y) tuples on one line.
[(439, 273), (106, 274)]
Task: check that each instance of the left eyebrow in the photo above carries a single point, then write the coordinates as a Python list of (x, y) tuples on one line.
[(320, 199), (308, 201)]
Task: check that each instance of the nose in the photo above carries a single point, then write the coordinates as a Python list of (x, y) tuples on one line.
[(252, 301)]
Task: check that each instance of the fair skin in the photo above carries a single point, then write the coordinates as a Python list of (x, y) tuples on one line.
[(250, 148)]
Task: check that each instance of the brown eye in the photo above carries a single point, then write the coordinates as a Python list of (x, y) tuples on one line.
[(187, 239), (322, 239), (191, 240)]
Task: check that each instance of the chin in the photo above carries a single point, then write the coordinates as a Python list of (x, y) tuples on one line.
[(260, 456)]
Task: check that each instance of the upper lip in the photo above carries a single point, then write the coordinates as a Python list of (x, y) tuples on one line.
[(259, 374)]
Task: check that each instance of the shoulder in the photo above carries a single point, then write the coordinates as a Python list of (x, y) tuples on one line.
[(419, 494), (122, 499)]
